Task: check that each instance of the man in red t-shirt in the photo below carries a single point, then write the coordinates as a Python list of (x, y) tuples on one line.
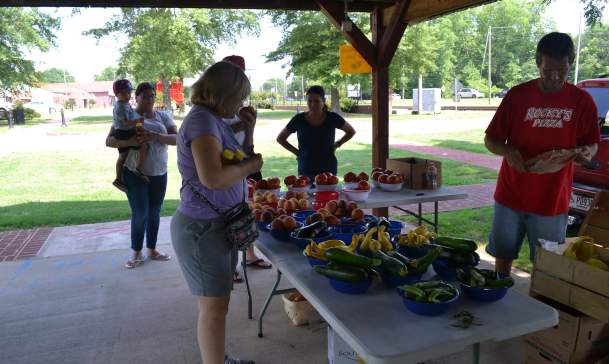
[(539, 116)]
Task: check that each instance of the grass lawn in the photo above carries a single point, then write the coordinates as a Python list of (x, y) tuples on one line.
[(466, 140), (474, 224)]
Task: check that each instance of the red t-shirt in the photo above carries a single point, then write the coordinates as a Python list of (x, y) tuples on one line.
[(535, 122)]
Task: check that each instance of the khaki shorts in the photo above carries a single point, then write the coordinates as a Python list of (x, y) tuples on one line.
[(207, 260)]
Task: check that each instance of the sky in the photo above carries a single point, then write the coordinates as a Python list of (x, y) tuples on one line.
[(84, 56)]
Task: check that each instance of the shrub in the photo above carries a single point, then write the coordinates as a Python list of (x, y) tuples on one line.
[(30, 114), (348, 105)]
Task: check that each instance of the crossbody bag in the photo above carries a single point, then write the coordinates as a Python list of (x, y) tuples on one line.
[(241, 229)]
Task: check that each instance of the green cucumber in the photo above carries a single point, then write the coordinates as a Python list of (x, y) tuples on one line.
[(414, 293), (439, 295), (347, 258), (393, 265), (347, 274), (476, 279), (465, 245), (400, 257)]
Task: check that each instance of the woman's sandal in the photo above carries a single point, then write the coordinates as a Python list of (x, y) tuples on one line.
[(159, 256), (258, 263), (237, 277), (132, 263)]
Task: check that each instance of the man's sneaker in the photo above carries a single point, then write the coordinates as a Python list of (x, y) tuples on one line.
[(120, 185)]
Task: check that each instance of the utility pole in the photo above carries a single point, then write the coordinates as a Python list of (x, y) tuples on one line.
[(490, 37), (302, 87), (579, 41)]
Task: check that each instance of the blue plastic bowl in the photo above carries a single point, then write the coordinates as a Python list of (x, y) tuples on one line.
[(302, 215), (484, 294), (346, 232), (350, 287), (413, 252), (283, 235), (445, 268), (302, 243), (314, 261), (394, 281), (262, 225), (395, 227), (367, 219), (428, 309)]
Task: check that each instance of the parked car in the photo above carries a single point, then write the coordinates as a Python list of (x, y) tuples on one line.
[(469, 93), (42, 108), (593, 176), (501, 94)]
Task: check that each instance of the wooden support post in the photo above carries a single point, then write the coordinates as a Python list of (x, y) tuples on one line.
[(380, 103)]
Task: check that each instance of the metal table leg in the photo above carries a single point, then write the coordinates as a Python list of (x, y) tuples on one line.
[(247, 285), (435, 216), (420, 215), (274, 292), (476, 353)]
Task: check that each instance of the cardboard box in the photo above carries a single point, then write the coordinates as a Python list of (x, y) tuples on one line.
[(574, 283), (415, 171), (536, 355), (339, 352), (576, 339)]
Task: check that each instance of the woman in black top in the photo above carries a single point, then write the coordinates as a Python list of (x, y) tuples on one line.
[(316, 132)]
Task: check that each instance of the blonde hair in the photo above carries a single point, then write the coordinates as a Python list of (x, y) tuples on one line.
[(221, 82)]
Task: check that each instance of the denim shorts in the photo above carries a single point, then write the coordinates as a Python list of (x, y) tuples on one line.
[(206, 258), (510, 227)]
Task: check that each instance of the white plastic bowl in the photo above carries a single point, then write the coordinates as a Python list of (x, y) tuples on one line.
[(356, 195), (351, 185), (299, 189), (275, 191), (327, 187), (391, 187)]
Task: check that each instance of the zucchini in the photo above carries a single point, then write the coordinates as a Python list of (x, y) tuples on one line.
[(421, 264), (397, 255), (393, 265), (460, 258), (465, 245), (342, 256), (347, 274), (311, 230)]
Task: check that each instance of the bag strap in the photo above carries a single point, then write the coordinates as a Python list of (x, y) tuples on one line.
[(205, 200), (201, 197)]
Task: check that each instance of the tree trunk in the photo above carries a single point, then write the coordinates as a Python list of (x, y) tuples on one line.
[(334, 100), (166, 94)]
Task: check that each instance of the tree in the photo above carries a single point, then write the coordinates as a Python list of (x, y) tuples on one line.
[(311, 43), (593, 61), (593, 10), (23, 30), (274, 86), (168, 44), (56, 75), (110, 73)]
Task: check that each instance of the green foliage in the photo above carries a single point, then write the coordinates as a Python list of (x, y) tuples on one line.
[(110, 73), (22, 30), (593, 55), (56, 75), (69, 104), (30, 113), (262, 100), (169, 44), (348, 105), (272, 83)]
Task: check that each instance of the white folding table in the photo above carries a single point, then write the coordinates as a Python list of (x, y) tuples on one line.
[(380, 329)]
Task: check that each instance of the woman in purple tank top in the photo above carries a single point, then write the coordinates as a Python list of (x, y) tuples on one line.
[(208, 261)]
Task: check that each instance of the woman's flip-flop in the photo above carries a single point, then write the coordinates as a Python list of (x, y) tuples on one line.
[(132, 263), (259, 263)]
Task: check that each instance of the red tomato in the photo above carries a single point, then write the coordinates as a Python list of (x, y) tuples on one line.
[(363, 176), (300, 182), (383, 178), (349, 177), (332, 180), (321, 179), (376, 175), (289, 180), (363, 185), (393, 179)]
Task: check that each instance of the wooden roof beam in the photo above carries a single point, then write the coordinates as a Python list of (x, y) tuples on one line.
[(393, 33), (422, 10), (336, 14)]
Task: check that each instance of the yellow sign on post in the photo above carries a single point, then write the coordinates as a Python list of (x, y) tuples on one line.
[(350, 61)]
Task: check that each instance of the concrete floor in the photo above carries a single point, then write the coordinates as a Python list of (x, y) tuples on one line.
[(76, 303)]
